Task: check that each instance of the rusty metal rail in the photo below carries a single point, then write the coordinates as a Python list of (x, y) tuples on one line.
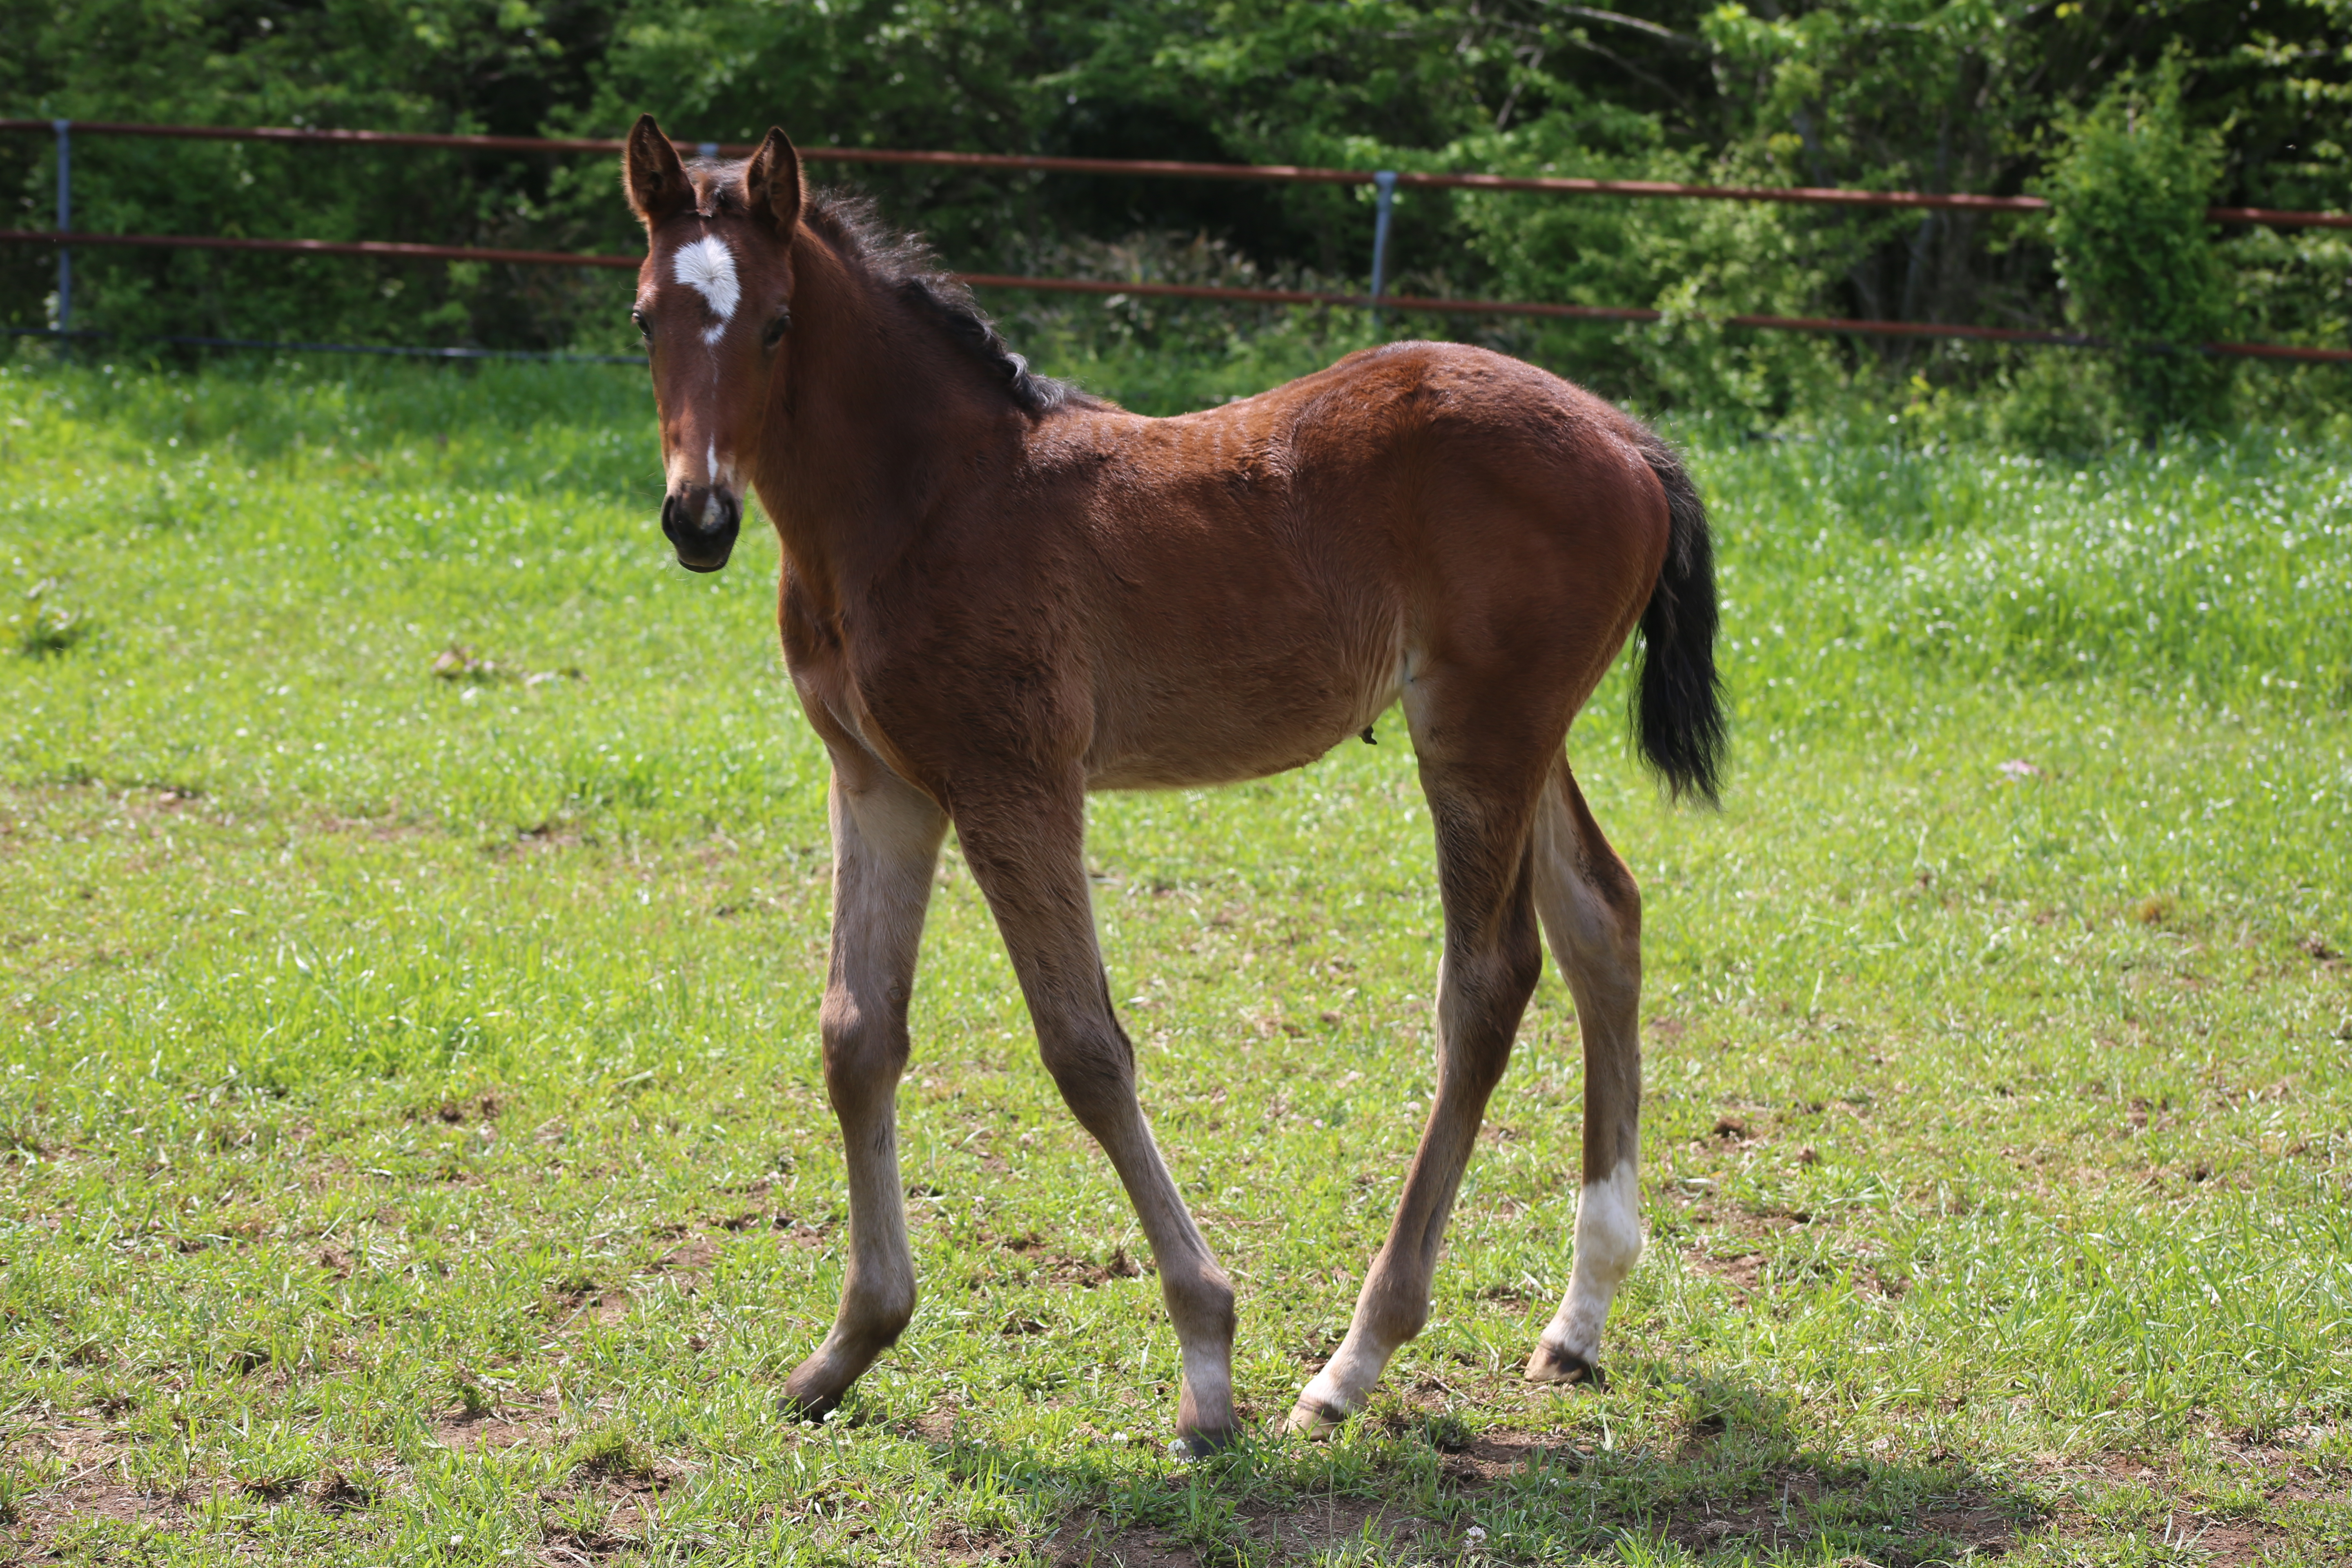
[(1105, 286), (1161, 169)]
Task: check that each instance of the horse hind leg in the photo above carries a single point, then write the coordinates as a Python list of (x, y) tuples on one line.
[(1492, 960), (1592, 909)]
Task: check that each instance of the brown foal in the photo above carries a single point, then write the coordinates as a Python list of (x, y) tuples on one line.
[(999, 593)]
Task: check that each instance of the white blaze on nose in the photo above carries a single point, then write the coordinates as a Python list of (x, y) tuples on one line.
[(708, 268)]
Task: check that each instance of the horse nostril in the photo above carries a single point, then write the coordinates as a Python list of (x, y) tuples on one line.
[(678, 517)]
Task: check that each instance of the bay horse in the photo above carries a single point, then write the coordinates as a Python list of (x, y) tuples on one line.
[(999, 593)]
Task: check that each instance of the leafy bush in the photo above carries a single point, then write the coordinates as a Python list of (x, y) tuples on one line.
[(2135, 252)]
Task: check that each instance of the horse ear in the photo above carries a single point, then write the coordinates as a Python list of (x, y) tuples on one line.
[(771, 181), (652, 175)]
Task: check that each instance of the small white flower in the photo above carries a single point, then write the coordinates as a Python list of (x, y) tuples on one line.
[(1474, 1536)]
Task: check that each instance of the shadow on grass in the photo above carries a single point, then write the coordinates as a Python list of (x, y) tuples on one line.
[(1744, 1480)]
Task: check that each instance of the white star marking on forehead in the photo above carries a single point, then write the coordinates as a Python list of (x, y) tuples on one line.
[(708, 268)]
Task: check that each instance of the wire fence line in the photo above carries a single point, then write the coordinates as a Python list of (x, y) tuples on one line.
[(1384, 181)]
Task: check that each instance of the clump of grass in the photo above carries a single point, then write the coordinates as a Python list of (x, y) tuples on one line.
[(608, 1453), (341, 1490), (41, 625), (474, 1401), (1447, 1432)]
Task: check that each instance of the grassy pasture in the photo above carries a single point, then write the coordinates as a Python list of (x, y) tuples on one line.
[(412, 1145)]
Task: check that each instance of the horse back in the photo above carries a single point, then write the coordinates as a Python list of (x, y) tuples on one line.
[(1264, 577)]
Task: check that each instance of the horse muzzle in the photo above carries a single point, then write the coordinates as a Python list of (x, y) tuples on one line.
[(701, 521)]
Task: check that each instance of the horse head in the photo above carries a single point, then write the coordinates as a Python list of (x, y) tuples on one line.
[(713, 305)]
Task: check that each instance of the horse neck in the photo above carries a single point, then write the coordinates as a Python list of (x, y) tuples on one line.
[(876, 411)]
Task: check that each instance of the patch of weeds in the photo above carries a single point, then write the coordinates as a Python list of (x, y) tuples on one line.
[(1447, 1433), (609, 1454), (343, 1491), (564, 1295), (272, 1489), (459, 662), (461, 665), (40, 626), (162, 507), (1201, 1515), (474, 1401), (579, 1522)]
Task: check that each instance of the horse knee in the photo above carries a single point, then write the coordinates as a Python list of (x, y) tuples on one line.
[(864, 1054)]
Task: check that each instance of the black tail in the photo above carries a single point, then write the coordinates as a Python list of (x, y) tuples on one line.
[(1678, 711)]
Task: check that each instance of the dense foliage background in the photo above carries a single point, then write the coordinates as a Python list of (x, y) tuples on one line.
[(2135, 115)]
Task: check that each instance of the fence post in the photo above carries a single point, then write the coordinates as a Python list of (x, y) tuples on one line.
[(65, 225), (1385, 183)]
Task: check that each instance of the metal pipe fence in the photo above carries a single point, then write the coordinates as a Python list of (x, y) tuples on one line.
[(1147, 168), (1385, 183)]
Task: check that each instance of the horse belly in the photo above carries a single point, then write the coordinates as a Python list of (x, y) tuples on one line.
[(1168, 727)]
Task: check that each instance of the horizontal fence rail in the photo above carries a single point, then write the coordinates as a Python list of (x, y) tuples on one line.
[(1384, 181), (1105, 286), (1157, 169), (391, 249)]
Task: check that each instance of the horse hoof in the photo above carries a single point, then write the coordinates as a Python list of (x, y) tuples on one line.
[(1313, 1419), (799, 1408), (1552, 1364), (1200, 1444)]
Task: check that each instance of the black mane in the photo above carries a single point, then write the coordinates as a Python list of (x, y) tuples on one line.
[(904, 263)]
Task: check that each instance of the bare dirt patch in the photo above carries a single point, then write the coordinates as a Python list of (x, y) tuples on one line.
[(482, 1433), (1064, 1270), (1494, 1457), (42, 1515), (1742, 1271), (695, 1257), (1321, 1525)]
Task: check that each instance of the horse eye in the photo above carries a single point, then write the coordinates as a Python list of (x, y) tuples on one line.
[(638, 320), (777, 329)]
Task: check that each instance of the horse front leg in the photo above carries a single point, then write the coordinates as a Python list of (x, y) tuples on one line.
[(886, 846), (1026, 850)]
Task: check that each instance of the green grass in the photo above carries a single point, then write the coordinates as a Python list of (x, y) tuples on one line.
[(412, 1145)]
